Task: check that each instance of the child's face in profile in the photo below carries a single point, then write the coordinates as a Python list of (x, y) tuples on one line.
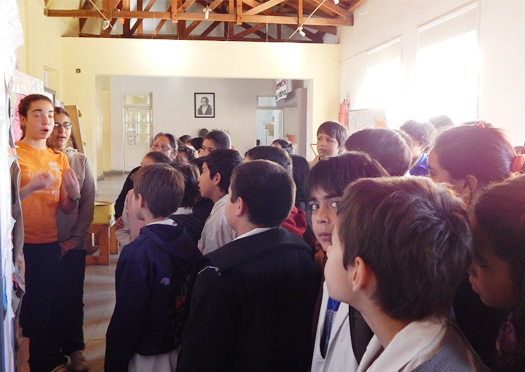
[(490, 278), (205, 182), (336, 275), (327, 146), (324, 215)]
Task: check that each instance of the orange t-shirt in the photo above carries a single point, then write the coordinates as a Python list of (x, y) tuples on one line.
[(40, 207)]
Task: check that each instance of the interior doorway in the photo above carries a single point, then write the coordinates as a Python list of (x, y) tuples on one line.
[(269, 126)]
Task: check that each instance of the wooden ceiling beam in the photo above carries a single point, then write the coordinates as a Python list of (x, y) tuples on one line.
[(264, 6), (174, 36), (210, 28), (250, 30), (334, 8), (138, 23), (82, 21), (194, 24), (355, 5), (112, 24), (261, 34)]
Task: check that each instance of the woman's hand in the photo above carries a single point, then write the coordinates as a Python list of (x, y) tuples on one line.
[(70, 183), (40, 180)]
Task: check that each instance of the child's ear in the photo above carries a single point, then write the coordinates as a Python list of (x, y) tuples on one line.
[(471, 184), (216, 179), (363, 277), (140, 200)]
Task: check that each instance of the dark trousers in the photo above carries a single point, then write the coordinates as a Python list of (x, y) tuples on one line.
[(38, 307), (69, 301)]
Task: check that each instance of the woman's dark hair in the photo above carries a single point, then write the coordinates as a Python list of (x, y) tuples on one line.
[(335, 130), (196, 143), (60, 110), (441, 122), (285, 145), (26, 102), (499, 216), (300, 170), (482, 152), (185, 138), (191, 185), (170, 137)]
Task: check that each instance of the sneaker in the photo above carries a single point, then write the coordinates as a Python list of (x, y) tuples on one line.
[(60, 368), (78, 361)]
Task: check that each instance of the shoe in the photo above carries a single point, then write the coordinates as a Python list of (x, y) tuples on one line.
[(78, 361), (60, 368)]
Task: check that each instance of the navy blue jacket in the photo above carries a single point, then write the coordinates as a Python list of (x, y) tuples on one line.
[(251, 307), (151, 272)]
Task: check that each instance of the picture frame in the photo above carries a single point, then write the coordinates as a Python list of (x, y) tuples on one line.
[(204, 105)]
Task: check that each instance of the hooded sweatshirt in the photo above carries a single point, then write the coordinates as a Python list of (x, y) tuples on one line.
[(150, 276), (296, 222)]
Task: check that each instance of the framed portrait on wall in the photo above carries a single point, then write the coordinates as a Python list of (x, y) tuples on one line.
[(204, 106)]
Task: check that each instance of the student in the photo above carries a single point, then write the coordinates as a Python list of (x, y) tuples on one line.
[(331, 137), (421, 135), (470, 158), (162, 142), (337, 347), (150, 274), (215, 140), (385, 145), (131, 224), (213, 184), (497, 271), (184, 214), (251, 302), (296, 221), (403, 279), (72, 231), (441, 123), (285, 145), (47, 183)]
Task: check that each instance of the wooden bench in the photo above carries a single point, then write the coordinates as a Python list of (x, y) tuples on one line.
[(101, 235)]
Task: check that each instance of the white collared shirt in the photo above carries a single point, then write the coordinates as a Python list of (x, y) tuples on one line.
[(216, 232), (255, 231)]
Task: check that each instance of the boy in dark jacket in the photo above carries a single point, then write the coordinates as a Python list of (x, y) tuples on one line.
[(251, 302), (150, 274)]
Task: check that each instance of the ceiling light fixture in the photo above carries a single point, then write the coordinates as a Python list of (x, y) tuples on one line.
[(300, 30), (336, 2), (206, 11), (105, 25)]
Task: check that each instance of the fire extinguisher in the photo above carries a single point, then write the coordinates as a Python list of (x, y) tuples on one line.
[(343, 110)]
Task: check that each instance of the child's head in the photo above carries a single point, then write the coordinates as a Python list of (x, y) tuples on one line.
[(217, 170), (400, 244), (325, 185), (215, 140), (421, 135), (300, 170), (159, 188), (331, 137), (285, 145), (497, 271), (266, 191), (441, 122), (385, 145), (272, 153), (186, 154), (154, 157), (470, 157), (191, 185)]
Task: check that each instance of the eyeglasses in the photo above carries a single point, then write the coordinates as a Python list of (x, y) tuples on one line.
[(65, 125), (161, 147)]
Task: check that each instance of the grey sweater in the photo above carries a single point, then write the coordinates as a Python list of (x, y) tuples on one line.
[(74, 226)]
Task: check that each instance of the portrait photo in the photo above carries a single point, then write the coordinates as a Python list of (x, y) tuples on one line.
[(204, 105)]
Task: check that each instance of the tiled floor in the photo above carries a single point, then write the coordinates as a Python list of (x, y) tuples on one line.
[(99, 287)]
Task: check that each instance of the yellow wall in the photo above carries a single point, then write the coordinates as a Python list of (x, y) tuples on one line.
[(46, 49)]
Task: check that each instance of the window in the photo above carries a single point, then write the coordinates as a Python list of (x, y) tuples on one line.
[(137, 119), (447, 66)]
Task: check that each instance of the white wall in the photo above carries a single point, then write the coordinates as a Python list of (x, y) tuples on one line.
[(501, 38), (173, 107)]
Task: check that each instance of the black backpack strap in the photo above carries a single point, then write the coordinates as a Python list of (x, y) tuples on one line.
[(360, 333)]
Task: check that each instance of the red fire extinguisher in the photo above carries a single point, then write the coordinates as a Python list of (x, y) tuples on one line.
[(343, 110)]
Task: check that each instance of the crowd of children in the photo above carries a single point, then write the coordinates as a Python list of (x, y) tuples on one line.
[(263, 264)]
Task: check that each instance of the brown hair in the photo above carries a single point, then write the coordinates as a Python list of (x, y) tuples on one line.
[(335, 130), (161, 186), (481, 151), (25, 104), (414, 235)]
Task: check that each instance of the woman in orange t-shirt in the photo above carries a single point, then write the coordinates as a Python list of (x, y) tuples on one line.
[(46, 184)]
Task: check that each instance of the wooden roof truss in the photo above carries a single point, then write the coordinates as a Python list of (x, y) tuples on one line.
[(241, 20)]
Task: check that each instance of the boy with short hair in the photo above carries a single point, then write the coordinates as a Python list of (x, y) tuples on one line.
[(150, 274), (251, 302), (400, 249), (421, 136), (331, 137), (215, 140), (213, 184)]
